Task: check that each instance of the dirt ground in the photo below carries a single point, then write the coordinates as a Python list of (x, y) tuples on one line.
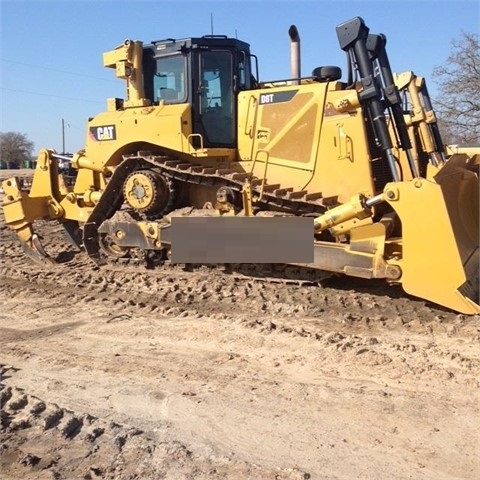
[(126, 373)]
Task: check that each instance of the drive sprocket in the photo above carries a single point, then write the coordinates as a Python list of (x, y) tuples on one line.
[(149, 192)]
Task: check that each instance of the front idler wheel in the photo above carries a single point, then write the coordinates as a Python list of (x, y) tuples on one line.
[(110, 248)]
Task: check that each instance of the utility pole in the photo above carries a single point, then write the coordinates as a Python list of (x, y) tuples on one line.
[(63, 136)]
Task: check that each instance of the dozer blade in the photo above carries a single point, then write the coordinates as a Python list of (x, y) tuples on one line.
[(440, 236)]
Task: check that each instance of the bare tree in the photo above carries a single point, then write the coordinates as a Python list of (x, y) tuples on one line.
[(458, 103), (15, 149)]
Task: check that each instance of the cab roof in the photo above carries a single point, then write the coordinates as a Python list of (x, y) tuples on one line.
[(170, 45)]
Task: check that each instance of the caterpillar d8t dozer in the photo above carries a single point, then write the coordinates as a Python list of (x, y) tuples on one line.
[(360, 161)]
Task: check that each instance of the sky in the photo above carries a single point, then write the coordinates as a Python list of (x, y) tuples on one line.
[(51, 51)]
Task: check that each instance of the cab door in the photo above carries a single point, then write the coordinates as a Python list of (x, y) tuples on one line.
[(214, 100)]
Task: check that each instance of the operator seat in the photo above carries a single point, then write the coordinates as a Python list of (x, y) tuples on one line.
[(168, 94)]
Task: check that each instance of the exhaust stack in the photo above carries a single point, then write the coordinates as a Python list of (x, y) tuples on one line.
[(294, 54)]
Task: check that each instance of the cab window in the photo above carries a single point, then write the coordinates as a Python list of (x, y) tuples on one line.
[(216, 98), (169, 81)]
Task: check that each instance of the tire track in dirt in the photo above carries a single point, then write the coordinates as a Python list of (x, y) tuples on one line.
[(364, 341), (221, 344), (360, 326), (348, 300), (211, 291), (50, 439)]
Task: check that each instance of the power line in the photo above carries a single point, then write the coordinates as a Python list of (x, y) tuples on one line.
[(50, 95), (58, 70)]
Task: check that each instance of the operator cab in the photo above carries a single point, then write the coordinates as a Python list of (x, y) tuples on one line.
[(205, 72)]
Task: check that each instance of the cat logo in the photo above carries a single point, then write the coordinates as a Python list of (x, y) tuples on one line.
[(103, 133)]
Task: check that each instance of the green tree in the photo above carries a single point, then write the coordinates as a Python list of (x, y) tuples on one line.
[(458, 103), (15, 149)]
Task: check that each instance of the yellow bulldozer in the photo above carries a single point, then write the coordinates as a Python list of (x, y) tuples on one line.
[(355, 166)]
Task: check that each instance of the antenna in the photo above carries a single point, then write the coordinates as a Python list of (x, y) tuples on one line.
[(211, 22)]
